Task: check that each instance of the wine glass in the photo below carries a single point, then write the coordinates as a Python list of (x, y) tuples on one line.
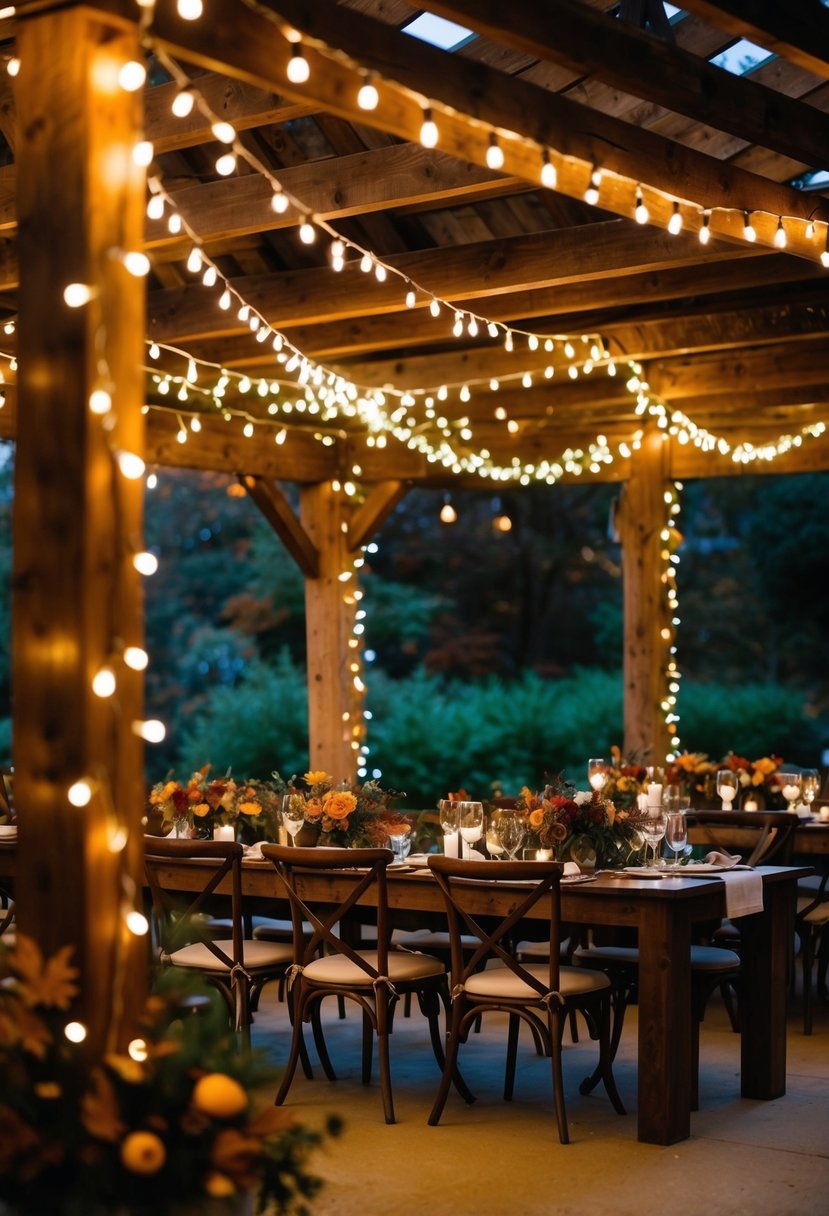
[(597, 773), (676, 833), (493, 845), (512, 832), (400, 844), (790, 785), (293, 814), (470, 823), (809, 785), (728, 785), (653, 829)]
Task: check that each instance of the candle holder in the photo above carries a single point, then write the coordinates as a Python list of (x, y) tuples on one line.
[(790, 787)]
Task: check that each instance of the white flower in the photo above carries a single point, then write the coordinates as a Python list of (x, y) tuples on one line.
[(582, 796)]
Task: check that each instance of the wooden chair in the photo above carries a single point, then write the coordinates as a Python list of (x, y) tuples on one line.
[(373, 979), (762, 838), (811, 921), (182, 927), (541, 995)]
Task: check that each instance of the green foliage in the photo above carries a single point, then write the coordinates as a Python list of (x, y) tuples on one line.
[(751, 720), (259, 725)]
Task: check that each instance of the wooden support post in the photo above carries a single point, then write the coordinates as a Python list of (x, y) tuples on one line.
[(640, 521), (334, 700), (77, 518)]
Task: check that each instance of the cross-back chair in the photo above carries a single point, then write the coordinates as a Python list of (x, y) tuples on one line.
[(372, 979), (541, 995), (183, 933), (763, 838)]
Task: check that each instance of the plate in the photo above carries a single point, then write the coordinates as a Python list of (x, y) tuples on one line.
[(8, 830), (418, 860), (639, 872), (700, 867)]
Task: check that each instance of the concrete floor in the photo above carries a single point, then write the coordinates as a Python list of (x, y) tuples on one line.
[(744, 1157)]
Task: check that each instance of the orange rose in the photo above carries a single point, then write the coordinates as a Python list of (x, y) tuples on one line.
[(250, 808), (339, 804), (536, 818), (313, 808), (201, 810)]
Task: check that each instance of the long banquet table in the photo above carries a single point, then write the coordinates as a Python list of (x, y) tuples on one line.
[(663, 911)]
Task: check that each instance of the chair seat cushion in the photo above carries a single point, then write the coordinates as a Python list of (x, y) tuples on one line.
[(337, 969), (819, 915), (540, 950), (501, 982), (703, 958), (426, 939), (811, 886), (259, 956)]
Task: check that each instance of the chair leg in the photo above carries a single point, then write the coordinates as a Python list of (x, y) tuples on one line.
[(341, 1008), (512, 1052), (450, 1068), (297, 1049), (695, 1028), (554, 1026), (607, 1053), (368, 1044), (807, 961), (382, 1010), (319, 1040)]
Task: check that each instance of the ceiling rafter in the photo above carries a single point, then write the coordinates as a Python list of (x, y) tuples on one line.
[(797, 29)]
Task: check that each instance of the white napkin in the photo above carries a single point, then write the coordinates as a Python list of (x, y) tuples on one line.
[(254, 851), (571, 867), (743, 889)]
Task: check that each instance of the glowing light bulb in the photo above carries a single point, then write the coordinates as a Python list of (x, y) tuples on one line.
[(100, 402), (549, 176), (226, 164), (132, 76), (368, 98), (13, 65), (130, 464), (494, 153), (136, 658), (298, 69), (748, 228), (448, 514), (137, 923), (142, 153), (75, 1032), (145, 562), (307, 233), (174, 223), (183, 103), (780, 240), (80, 792), (75, 295), (150, 730), (675, 222), (210, 276), (155, 207), (704, 233), (279, 201), (189, 10), (225, 132), (641, 214), (591, 194), (136, 264), (103, 682), (428, 131)]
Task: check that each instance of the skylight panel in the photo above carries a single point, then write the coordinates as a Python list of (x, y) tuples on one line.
[(815, 179), (741, 58), (673, 13), (447, 35)]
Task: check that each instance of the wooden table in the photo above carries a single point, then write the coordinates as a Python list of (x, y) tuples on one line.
[(664, 912), (811, 839)]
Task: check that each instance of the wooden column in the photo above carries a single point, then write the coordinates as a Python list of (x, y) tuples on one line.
[(641, 521), (334, 701), (77, 519)]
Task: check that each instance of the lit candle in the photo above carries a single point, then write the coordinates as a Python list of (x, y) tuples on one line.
[(597, 780), (654, 794), (642, 801), (750, 804), (544, 855), (450, 844), (224, 832)]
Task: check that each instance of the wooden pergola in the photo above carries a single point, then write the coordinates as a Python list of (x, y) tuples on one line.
[(534, 297)]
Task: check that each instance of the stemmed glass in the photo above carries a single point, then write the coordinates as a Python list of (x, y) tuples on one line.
[(470, 823), (676, 833), (728, 785), (400, 844), (493, 845), (653, 829), (448, 814), (293, 814), (511, 831), (809, 785), (790, 786), (597, 773)]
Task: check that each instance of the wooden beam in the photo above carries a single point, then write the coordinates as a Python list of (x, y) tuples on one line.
[(537, 260), (472, 100), (797, 30), (334, 710), (280, 515), (596, 44), (234, 101), (364, 183), (77, 518), (373, 512), (640, 520)]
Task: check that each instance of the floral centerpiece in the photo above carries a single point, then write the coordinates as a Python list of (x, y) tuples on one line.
[(347, 814), (583, 826), (167, 1125), (697, 775), (626, 778), (204, 802)]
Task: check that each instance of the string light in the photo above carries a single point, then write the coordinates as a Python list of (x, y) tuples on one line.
[(549, 176), (224, 132), (75, 295), (591, 194), (428, 130), (780, 240), (298, 70), (226, 164), (641, 213), (368, 98), (748, 228), (675, 222), (494, 153), (132, 75), (189, 10), (183, 101), (704, 233)]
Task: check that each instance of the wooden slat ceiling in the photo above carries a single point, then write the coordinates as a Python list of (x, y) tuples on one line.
[(731, 333)]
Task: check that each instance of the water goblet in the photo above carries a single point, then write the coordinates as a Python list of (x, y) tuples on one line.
[(790, 785), (809, 785), (676, 833), (470, 824), (448, 814), (493, 845), (512, 832), (400, 844), (653, 829), (293, 814), (597, 773), (728, 785)]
